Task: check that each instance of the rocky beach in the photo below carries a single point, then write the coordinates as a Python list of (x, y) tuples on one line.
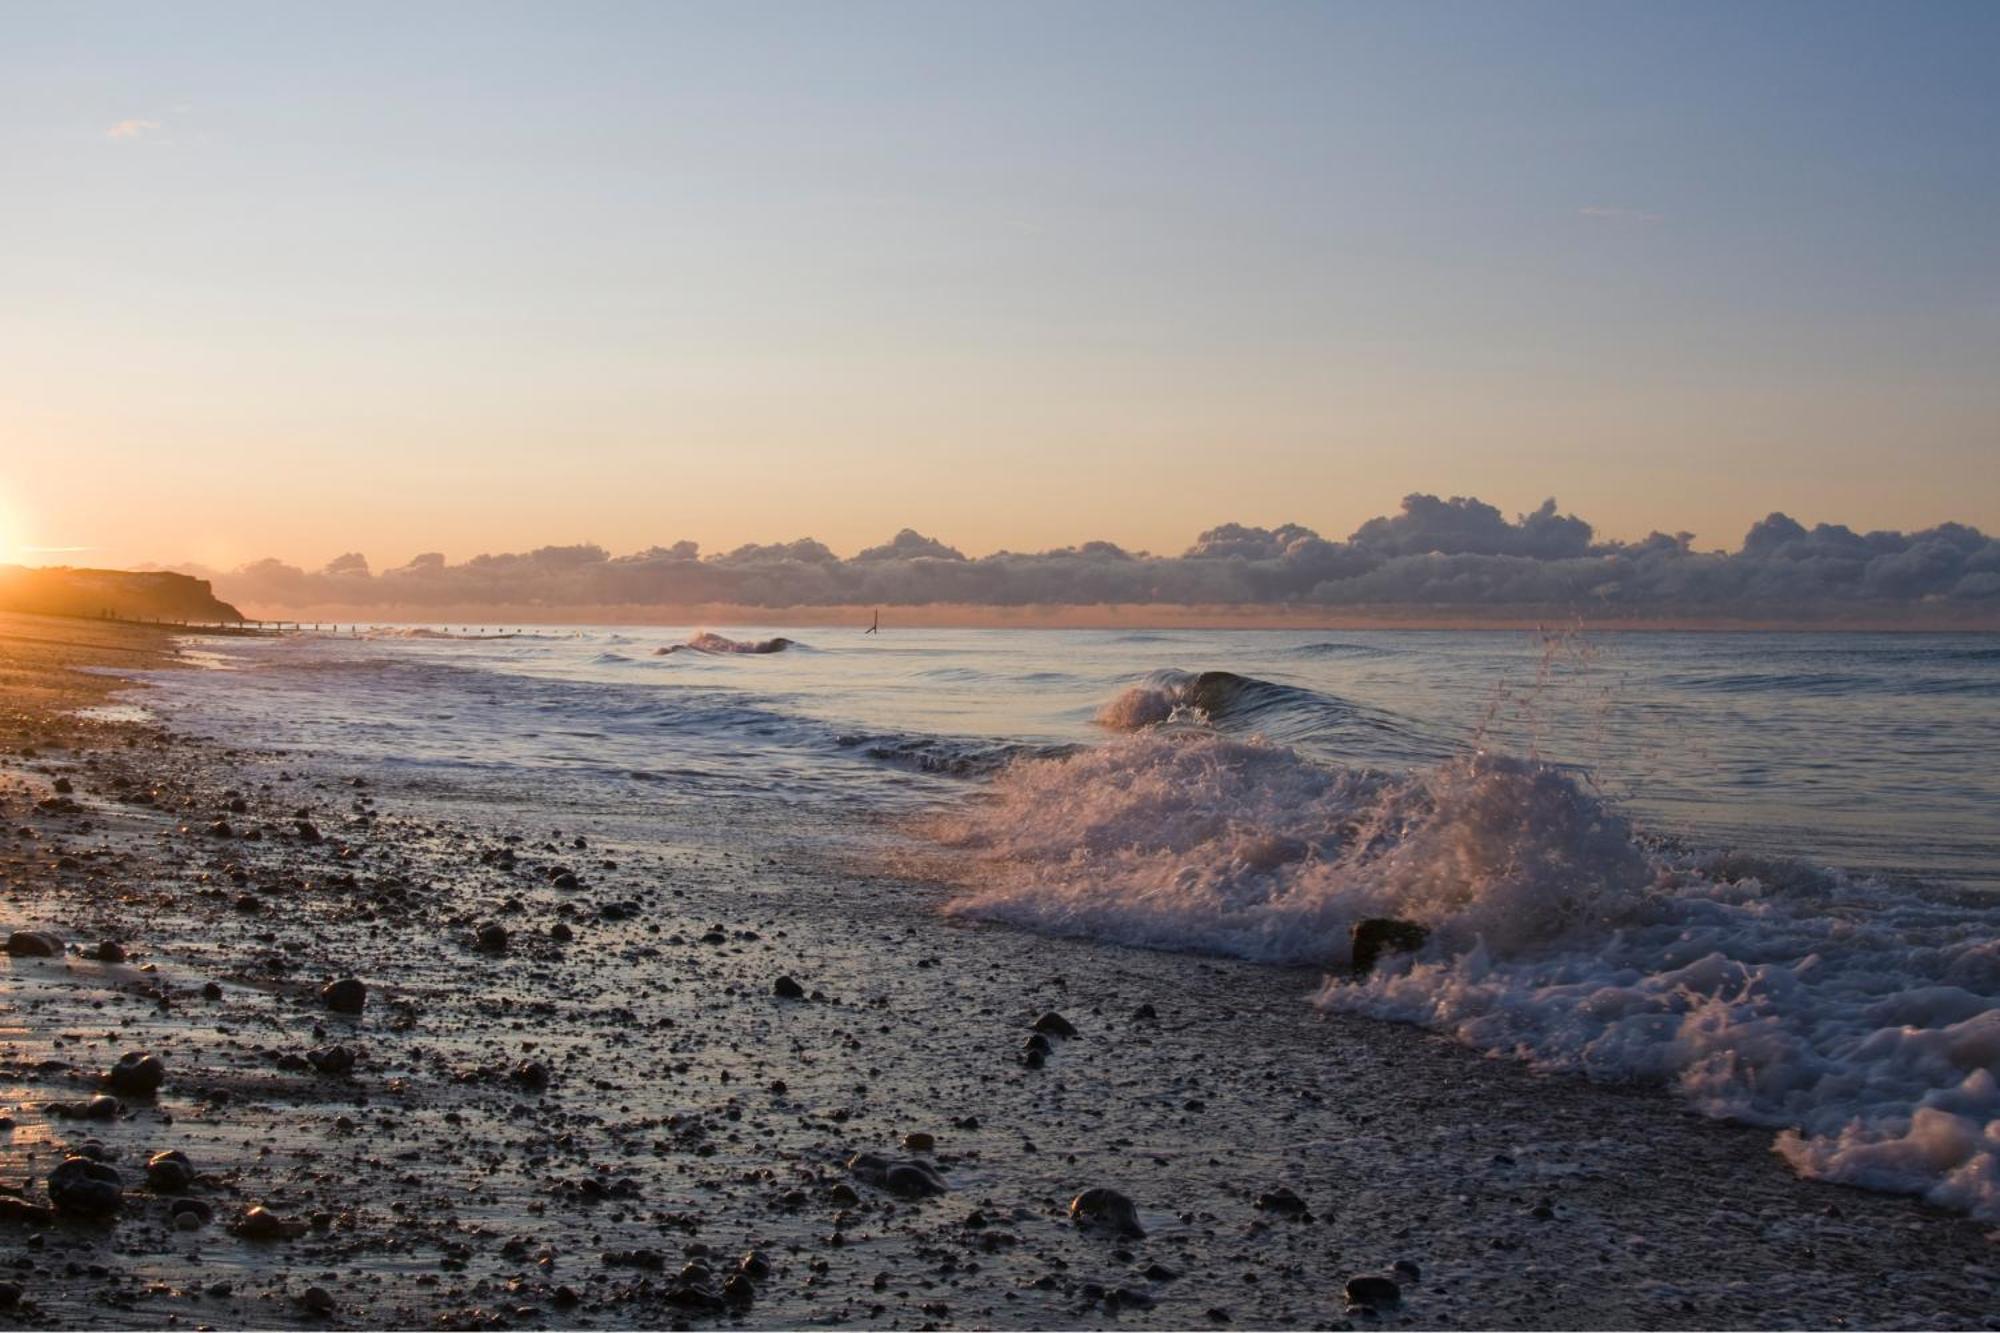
[(287, 1044)]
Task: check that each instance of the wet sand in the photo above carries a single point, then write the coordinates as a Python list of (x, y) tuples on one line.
[(595, 1124)]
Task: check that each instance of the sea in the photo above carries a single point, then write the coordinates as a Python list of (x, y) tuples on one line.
[(1760, 871)]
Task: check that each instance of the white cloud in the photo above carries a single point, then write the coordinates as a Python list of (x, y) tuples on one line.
[(133, 129)]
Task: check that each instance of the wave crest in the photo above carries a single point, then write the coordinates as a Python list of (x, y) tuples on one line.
[(1861, 1020)]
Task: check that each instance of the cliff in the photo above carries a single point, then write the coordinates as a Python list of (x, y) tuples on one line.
[(125, 594)]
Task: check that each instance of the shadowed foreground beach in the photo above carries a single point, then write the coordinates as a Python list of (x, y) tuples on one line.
[(605, 1114)]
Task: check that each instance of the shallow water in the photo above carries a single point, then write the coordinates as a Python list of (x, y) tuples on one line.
[(1761, 869)]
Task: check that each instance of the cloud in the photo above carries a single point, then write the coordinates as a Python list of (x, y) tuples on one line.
[(1608, 213), (133, 129), (1433, 552)]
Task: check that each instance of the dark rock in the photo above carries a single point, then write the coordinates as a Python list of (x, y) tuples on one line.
[(918, 1141), (909, 1179), (739, 1291), (1406, 1270), (531, 1074), (137, 1074), (211, 991), (335, 1060), (345, 996), (1105, 1209), (197, 1209), (63, 786), (260, 1223), (1145, 1013), (1055, 1025), (787, 989), (306, 831), (109, 951), (492, 937), (318, 1300), (561, 933), (1375, 936), (1372, 1290), (169, 1172), (86, 1188), (25, 1213), (1283, 1202), (34, 944)]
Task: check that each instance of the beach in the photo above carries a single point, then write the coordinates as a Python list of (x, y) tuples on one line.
[(608, 1116)]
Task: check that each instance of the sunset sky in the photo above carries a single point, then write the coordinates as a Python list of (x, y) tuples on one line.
[(295, 280)]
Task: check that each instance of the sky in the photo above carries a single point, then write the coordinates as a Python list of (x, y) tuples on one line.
[(293, 280)]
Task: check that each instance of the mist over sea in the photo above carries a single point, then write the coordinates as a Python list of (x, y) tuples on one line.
[(1759, 870)]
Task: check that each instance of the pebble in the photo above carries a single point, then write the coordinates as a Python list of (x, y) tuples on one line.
[(34, 944), (137, 1074), (1055, 1025), (84, 1187), (918, 1141), (492, 937), (169, 1172), (345, 996), (335, 1060), (1373, 1290), (909, 1179), (260, 1223), (787, 989), (1283, 1202), (1106, 1209), (109, 951)]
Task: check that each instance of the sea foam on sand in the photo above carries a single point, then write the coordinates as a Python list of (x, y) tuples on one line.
[(1860, 1019)]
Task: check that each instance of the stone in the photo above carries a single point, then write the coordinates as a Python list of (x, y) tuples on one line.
[(1374, 936), (34, 944), (492, 937), (561, 933), (109, 951), (334, 1061), (1055, 1025), (787, 989), (907, 1179), (137, 1074), (918, 1141), (318, 1300), (345, 996), (260, 1223), (1284, 1202), (1105, 1209), (25, 1213), (211, 991), (1373, 1290), (85, 1188), (169, 1172), (190, 1214)]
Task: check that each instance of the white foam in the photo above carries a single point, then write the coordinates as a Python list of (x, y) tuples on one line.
[(1861, 1020)]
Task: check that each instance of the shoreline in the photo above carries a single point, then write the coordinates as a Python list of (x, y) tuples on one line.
[(439, 1184), (1129, 617)]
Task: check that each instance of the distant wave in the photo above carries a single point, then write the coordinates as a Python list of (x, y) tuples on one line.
[(1337, 650), (1861, 1020), (709, 642), (1193, 696)]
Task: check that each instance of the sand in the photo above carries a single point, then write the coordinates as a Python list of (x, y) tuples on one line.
[(550, 1135)]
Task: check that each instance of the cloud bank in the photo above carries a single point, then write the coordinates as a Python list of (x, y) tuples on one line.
[(1434, 553)]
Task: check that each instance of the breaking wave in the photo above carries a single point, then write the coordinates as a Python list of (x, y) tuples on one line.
[(707, 641), (1860, 1020)]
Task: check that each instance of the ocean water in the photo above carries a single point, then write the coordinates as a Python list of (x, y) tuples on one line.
[(1761, 871)]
